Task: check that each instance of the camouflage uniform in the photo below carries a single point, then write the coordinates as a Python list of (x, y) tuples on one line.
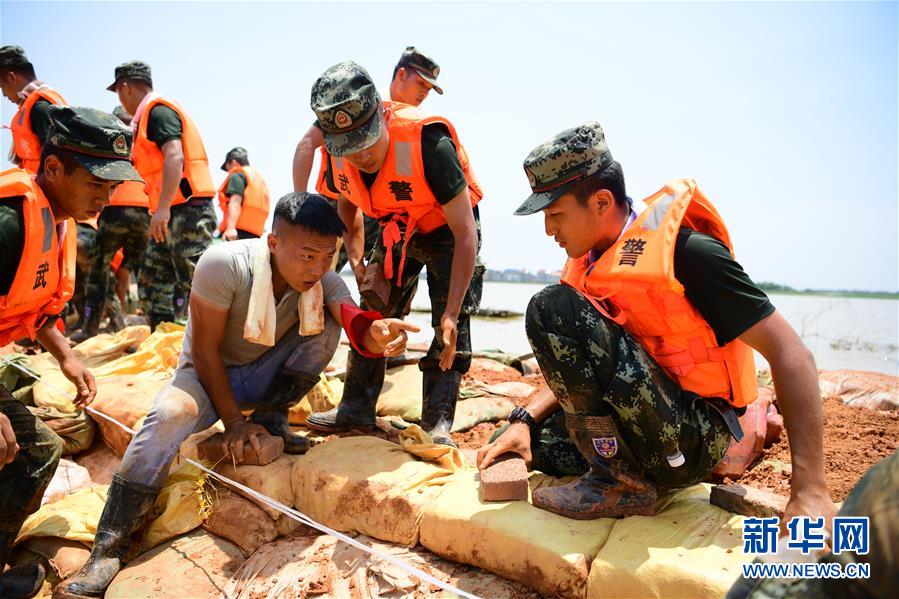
[(118, 227), (875, 496), (172, 263), (87, 237), (593, 366), (22, 482)]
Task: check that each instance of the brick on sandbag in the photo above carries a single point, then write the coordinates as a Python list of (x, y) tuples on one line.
[(269, 449), (505, 480), (748, 501)]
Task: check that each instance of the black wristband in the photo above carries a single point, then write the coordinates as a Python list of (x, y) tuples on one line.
[(519, 414)]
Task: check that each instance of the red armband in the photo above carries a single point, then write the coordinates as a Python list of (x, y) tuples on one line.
[(356, 322)]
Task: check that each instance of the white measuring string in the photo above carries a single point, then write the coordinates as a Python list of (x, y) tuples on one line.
[(277, 505)]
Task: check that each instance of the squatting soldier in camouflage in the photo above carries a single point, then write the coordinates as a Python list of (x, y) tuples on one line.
[(428, 218), (124, 223), (602, 336), (86, 154)]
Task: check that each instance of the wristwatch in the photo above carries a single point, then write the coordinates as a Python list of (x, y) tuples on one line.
[(519, 414)]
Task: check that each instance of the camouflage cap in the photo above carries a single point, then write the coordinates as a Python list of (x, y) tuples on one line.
[(348, 108), (423, 65), (13, 56), (570, 156), (101, 142), (133, 69), (237, 153)]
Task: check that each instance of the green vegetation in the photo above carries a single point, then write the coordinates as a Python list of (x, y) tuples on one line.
[(787, 290)]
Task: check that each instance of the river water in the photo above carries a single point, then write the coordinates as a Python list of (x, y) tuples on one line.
[(851, 333)]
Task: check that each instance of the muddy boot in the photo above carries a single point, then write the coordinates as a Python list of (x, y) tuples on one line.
[(356, 410), (22, 581), (613, 486), (440, 390), (285, 391), (116, 317), (127, 505), (93, 317)]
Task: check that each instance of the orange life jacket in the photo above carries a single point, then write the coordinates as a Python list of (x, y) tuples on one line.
[(26, 143), (45, 278), (148, 159), (130, 193), (255, 206), (633, 284), (400, 193)]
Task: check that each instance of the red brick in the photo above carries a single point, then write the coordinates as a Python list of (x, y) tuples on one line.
[(506, 479), (748, 501), (270, 448)]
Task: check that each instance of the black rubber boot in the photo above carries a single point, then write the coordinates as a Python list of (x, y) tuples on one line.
[(613, 487), (440, 391), (285, 391), (21, 582), (116, 317), (356, 410), (127, 505), (93, 318)]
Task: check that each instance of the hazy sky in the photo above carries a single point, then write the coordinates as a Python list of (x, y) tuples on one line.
[(785, 113)]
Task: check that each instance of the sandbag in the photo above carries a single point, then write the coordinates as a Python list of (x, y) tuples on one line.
[(241, 522), (303, 566), (64, 556), (128, 399), (106, 347), (872, 390), (689, 549), (546, 552), (75, 429), (73, 517), (273, 480), (321, 398), (401, 394), (366, 485), (68, 478), (181, 506), (101, 462), (475, 410), (195, 565)]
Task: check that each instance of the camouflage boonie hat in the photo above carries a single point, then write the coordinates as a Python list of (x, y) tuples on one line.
[(13, 56), (235, 153), (100, 142), (348, 108), (423, 65), (570, 156), (133, 69)]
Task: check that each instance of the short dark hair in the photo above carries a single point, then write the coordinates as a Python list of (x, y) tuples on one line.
[(25, 70), (611, 178), (242, 160), (310, 211), (133, 80), (67, 157)]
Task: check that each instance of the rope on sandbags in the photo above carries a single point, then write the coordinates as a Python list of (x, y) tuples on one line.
[(277, 505)]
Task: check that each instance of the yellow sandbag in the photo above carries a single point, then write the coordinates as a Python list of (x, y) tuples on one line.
[(76, 429), (74, 517), (128, 399), (180, 508), (401, 393), (321, 398), (421, 445), (273, 480), (546, 552), (106, 347), (689, 549), (366, 485)]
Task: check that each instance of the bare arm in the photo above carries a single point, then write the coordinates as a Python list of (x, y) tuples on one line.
[(799, 398), (172, 170), (354, 238), (58, 346), (235, 203), (303, 157), (206, 354), (460, 219)]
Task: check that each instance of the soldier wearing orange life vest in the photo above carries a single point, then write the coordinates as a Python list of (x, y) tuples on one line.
[(170, 156), (394, 163), (85, 155), (646, 345), (243, 198)]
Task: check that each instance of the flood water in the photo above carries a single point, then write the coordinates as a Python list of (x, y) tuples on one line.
[(850, 333)]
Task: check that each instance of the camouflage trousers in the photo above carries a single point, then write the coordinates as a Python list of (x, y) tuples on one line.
[(434, 252), (87, 237), (125, 227), (372, 232), (22, 482), (170, 265), (876, 496), (593, 366)]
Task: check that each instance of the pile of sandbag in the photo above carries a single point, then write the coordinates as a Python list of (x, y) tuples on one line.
[(872, 390)]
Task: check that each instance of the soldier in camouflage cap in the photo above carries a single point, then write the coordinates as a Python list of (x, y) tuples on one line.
[(133, 69), (86, 155), (414, 62), (645, 345), (348, 108)]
